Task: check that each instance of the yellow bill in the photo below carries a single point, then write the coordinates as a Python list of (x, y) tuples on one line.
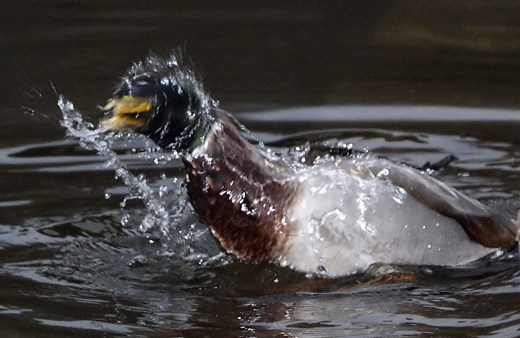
[(120, 123), (125, 113), (129, 105)]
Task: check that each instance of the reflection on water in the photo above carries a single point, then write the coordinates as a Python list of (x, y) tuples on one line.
[(382, 75)]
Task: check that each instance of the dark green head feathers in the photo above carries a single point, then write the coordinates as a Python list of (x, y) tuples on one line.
[(162, 100)]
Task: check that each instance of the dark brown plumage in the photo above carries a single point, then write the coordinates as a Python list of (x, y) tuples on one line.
[(236, 196)]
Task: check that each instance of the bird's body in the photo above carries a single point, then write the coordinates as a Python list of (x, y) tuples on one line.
[(368, 220), (335, 216)]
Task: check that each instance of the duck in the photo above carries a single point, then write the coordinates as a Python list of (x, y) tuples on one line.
[(333, 215)]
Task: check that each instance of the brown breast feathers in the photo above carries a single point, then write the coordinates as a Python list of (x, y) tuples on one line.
[(231, 188)]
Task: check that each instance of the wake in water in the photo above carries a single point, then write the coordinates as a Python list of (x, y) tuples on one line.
[(165, 209)]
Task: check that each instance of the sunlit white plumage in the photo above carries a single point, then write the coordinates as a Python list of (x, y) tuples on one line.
[(349, 218)]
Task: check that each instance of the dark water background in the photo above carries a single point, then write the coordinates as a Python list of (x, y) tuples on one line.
[(414, 80)]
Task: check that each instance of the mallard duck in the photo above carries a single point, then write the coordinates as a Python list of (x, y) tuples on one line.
[(335, 215)]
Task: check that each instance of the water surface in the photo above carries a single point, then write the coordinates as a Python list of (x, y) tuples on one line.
[(412, 81)]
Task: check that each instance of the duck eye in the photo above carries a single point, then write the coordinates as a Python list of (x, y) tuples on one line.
[(141, 83), (142, 88)]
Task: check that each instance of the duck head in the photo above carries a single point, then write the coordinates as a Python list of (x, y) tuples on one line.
[(160, 100)]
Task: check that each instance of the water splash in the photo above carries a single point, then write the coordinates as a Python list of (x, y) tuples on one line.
[(166, 208)]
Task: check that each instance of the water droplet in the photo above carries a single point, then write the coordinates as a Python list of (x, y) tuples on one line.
[(163, 190), (137, 261), (383, 173), (125, 219)]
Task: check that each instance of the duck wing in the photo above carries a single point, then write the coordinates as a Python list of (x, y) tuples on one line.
[(482, 225)]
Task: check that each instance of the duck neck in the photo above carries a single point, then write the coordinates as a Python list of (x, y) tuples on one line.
[(188, 121), (195, 134), (236, 191)]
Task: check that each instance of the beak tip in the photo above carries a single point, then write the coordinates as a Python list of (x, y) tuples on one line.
[(109, 105)]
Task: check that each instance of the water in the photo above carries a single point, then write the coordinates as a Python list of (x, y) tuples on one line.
[(413, 81), (165, 202)]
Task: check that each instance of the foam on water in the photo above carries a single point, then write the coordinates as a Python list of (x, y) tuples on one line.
[(165, 208)]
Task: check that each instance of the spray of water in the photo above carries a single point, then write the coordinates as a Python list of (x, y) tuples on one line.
[(165, 208)]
